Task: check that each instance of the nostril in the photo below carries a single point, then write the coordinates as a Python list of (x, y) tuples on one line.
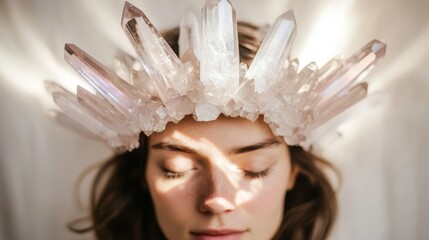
[(216, 205)]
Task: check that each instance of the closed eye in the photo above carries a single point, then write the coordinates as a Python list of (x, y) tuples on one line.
[(174, 175), (255, 175), (169, 174)]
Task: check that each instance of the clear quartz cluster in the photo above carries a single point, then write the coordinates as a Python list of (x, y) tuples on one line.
[(207, 79)]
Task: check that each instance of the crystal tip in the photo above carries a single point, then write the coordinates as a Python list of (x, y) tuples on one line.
[(130, 11), (378, 46), (289, 15), (50, 85), (70, 48)]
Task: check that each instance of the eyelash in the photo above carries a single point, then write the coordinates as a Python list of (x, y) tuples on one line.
[(252, 175), (255, 175), (173, 175)]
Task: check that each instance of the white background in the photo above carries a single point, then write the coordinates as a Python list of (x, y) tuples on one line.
[(382, 155)]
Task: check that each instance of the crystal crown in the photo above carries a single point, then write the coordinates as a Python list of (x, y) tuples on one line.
[(207, 79)]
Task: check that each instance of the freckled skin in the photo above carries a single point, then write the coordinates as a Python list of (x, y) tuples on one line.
[(214, 192)]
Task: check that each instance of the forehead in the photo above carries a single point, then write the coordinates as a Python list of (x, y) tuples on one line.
[(224, 132)]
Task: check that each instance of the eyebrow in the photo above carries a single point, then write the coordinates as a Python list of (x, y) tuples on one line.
[(173, 147), (250, 148), (235, 150)]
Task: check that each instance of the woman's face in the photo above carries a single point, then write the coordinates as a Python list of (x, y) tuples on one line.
[(225, 179)]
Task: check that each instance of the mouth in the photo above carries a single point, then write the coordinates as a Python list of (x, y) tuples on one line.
[(217, 234)]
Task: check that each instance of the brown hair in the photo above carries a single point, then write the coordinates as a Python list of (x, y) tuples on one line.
[(121, 206)]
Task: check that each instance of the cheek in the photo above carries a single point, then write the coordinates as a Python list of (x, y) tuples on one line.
[(266, 206), (270, 195), (173, 202), (172, 197), (272, 189)]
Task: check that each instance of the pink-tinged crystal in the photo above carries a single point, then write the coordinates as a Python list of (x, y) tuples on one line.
[(122, 66), (52, 86), (289, 78), (69, 104), (323, 74), (330, 109), (137, 76), (273, 53), (131, 70), (70, 122), (145, 85), (189, 38), (118, 92), (105, 112), (219, 65), (354, 70), (328, 70), (318, 129), (158, 59), (307, 78)]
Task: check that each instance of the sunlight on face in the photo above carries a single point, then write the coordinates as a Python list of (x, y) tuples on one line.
[(224, 179)]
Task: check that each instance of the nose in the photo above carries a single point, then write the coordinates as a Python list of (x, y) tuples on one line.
[(217, 194), (216, 206)]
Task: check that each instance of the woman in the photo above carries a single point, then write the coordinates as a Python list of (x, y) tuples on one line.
[(230, 178), (223, 160)]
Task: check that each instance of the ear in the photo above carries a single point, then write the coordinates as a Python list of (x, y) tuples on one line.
[(292, 177)]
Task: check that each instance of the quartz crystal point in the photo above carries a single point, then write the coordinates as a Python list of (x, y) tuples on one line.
[(340, 113), (104, 111), (189, 38), (219, 66), (307, 78), (354, 70), (118, 92), (62, 118), (69, 104), (273, 52), (330, 110), (85, 119), (326, 71), (158, 59)]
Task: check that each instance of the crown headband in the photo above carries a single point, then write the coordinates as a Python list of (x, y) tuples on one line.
[(208, 80)]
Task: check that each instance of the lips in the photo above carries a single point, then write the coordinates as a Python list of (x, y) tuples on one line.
[(213, 234)]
